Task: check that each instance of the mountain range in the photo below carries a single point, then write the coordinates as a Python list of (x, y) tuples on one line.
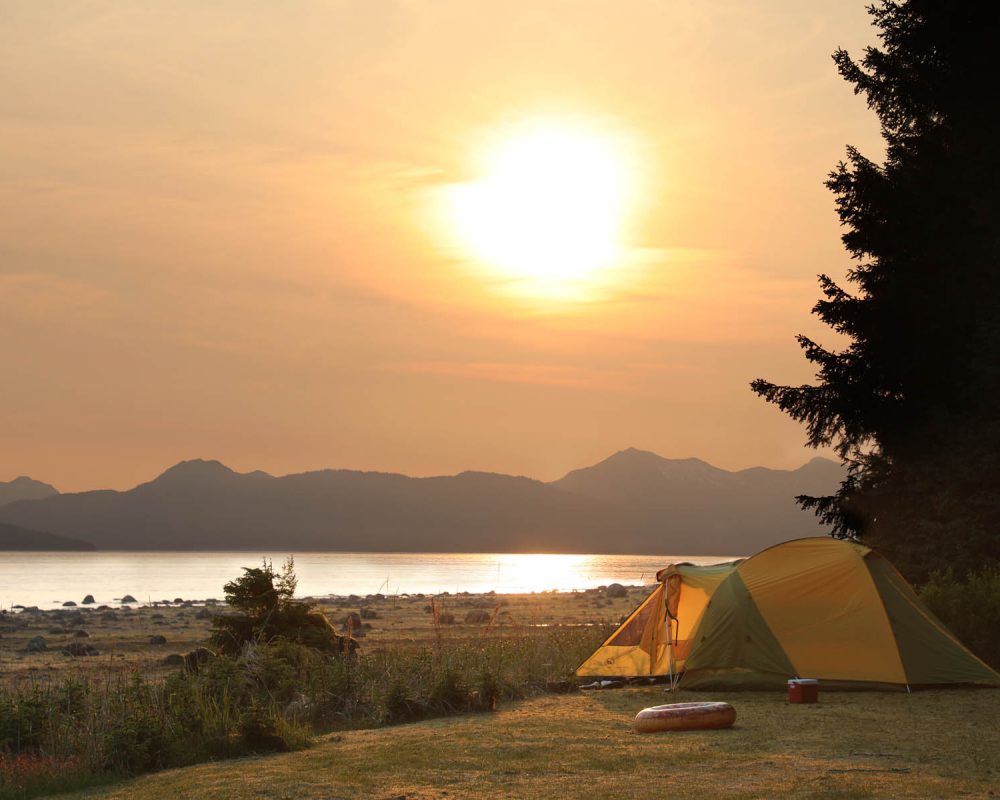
[(632, 502)]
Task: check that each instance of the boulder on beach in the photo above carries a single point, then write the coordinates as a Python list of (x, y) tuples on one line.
[(158, 639), (69, 604), (128, 599), (36, 644), (76, 649), (89, 600)]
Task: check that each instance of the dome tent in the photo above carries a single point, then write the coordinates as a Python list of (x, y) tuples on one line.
[(818, 608)]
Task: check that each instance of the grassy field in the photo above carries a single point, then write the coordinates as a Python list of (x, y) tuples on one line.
[(850, 745), (122, 635), (928, 744)]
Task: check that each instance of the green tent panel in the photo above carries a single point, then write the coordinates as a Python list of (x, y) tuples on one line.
[(734, 644), (931, 655)]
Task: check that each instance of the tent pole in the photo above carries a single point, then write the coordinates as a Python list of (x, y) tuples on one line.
[(670, 656)]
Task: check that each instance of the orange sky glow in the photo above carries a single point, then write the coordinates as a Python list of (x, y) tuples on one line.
[(312, 234)]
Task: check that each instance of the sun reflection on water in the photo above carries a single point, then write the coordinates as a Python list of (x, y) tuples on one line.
[(539, 572)]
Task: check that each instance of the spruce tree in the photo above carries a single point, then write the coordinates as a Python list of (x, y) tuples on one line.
[(911, 403)]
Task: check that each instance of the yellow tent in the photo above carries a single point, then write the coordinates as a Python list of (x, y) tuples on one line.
[(813, 608)]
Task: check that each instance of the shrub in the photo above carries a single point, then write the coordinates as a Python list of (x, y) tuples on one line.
[(260, 731), (970, 607), (265, 612), (136, 742)]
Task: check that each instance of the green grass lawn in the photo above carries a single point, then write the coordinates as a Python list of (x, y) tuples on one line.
[(872, 744)]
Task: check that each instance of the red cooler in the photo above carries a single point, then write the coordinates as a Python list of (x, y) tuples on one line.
[(803, 690)]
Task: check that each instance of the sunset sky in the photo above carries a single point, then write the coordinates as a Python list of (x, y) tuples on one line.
[(419, 236)]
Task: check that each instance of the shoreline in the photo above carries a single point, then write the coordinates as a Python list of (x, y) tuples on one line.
[(142, 636), (316, 600)]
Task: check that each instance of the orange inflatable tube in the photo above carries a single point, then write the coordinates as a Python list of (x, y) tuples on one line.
[(685, 717)]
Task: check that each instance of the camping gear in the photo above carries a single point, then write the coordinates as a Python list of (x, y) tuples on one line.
[(609, 684), (685, 717), (803, 690), (828, 608)]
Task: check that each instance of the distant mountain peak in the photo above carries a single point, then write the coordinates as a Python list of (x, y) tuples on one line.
[(199, 466), (633, 457), (194, 472), (203, 472), (24, 480), (24, 488)]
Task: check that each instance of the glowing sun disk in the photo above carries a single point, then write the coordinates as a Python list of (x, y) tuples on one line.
[(551, 205)]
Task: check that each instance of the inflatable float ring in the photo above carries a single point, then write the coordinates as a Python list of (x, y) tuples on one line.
[(685, 717)]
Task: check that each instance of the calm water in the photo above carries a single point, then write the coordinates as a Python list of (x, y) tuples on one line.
[(47, 579)]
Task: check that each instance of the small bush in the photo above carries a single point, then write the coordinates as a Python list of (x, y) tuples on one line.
[(970, 607), (136, 742), (396, 703), (448, 691), (489, 689), (263, 731)]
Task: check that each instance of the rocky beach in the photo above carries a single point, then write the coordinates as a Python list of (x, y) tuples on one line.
[(93, 640)]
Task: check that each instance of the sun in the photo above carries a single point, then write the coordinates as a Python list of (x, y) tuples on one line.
[(549, 205)]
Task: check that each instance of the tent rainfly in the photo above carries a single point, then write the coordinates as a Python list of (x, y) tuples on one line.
[(813, 608)]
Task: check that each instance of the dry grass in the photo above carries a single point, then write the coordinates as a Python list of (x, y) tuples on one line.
[(123, 637), (930, 744)]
